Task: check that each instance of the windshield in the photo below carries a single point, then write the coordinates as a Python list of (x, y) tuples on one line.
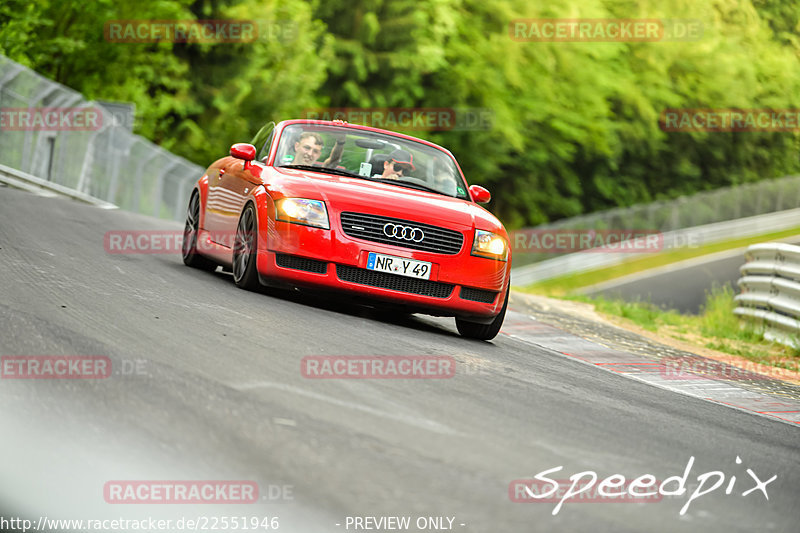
[(370, 156)]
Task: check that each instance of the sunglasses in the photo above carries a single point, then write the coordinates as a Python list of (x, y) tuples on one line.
[(398, 167)]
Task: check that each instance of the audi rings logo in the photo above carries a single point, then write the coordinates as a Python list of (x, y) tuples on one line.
[(404, 233)]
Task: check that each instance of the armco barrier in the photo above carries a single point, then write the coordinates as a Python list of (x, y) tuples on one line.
[(106, 162), (770, 286), (23, 180), (700, 235)]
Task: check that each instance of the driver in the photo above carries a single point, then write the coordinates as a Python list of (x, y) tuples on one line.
[(399, 164), (309, 146)]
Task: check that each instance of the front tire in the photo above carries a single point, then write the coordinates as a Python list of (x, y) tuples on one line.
[(484, 332), (245, 247), (189, 248)]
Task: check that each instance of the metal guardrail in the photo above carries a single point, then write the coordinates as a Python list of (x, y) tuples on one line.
[(707, 207), (27, 182), (106, 162), (770, 286), (697, 236), (677, 219)]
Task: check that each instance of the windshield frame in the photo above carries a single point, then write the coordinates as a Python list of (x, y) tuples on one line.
[(461, 183)]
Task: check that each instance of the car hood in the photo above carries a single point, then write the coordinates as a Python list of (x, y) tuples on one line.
[(342, 193)]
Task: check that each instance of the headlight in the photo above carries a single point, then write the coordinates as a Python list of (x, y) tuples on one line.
[(303, 211), (487, 244)]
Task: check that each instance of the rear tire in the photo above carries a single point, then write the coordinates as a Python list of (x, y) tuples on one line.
[(484, 332), (245, 247), (189, 248)]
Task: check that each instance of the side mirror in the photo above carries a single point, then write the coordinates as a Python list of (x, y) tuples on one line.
[(479, 194), (243, 151)]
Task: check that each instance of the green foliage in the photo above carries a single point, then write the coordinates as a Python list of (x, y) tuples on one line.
[(719, 320), (645, 314), (575, 125), (716, 327)]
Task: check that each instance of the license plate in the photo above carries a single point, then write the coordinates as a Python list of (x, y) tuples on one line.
[(399, 265)]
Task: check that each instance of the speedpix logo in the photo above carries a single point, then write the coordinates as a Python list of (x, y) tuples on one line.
[(616, 488)]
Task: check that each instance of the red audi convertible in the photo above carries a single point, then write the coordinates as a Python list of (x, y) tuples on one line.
[(377, 215)]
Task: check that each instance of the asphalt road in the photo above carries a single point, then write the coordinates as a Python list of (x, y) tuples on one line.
[(217, 394), (682, 286)]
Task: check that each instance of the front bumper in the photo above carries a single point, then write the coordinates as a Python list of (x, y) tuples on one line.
[(459, 285)]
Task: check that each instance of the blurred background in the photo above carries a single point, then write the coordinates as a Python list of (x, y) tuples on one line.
[(575, 125)]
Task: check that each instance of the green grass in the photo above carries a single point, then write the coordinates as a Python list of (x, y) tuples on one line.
[(716, 327), (644, 314), (567, 284)]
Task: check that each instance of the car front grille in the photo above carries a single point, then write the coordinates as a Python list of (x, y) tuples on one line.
[(394, 282), (477, 295), (301, 263), (371, 228)]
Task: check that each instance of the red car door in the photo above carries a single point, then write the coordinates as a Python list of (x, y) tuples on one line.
[(227, 193)]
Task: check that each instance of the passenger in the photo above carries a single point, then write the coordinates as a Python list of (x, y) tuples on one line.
[(399, 164)]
